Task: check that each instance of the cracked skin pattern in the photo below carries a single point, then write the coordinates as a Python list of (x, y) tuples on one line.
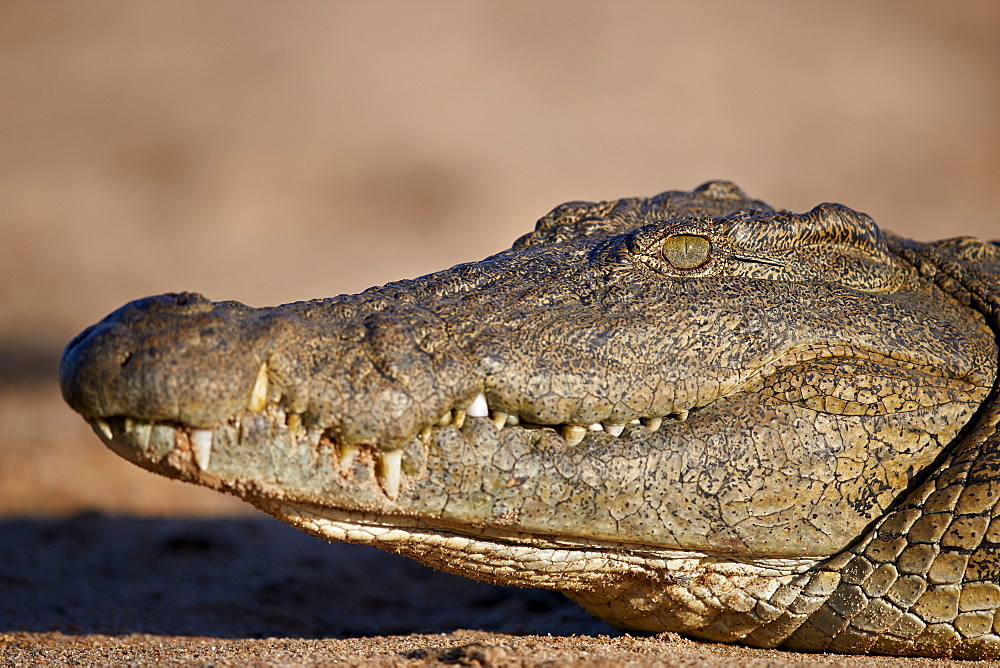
[(689, 413)]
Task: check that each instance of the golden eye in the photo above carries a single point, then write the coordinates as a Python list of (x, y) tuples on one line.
[(686, 251)]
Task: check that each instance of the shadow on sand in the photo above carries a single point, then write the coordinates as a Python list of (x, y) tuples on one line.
[(243, 577)]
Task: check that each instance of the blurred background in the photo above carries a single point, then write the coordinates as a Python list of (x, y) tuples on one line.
[(270, 152)]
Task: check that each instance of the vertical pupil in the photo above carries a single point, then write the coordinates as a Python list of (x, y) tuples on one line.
[(686, 251)]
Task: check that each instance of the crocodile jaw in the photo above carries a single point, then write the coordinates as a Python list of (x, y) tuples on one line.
[(631, 585)]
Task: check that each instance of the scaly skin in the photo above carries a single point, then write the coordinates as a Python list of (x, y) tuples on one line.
[(701, 415)]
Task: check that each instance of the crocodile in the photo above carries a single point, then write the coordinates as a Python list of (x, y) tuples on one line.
[(691, 413)]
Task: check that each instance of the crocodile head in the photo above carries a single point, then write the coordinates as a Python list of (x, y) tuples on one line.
[(667, 408)]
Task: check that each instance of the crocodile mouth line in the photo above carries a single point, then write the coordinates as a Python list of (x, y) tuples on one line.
[(573, 434), (157, 439)]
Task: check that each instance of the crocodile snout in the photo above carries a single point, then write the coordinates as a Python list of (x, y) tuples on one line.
[(372, 376), (175, 357)]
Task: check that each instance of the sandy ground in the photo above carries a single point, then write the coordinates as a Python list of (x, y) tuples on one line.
[(270, 152), (99, 588)]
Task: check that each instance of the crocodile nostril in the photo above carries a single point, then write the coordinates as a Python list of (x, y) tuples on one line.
[(174, 303), (189, 299)]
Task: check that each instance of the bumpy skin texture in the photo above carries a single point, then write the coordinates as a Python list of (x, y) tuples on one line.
[(701, 415)]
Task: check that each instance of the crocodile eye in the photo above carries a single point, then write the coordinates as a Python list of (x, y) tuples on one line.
[(686, 251)]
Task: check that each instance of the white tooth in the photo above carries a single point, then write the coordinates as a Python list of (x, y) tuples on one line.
[(445, 419), (139, 432), (652, 423), (314, 434), (513, 420), (573, 433), (682, 415), (258, 396), (595, 427), (345, 453), (499, 419), (458, 417), (104, 428), (478, 407), (293, 421), (635, 421), (162, 440), (614, 429), (388, 470), (425, 435), (201, 446)]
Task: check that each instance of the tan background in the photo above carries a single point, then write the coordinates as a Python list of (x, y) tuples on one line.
[(272, 151)]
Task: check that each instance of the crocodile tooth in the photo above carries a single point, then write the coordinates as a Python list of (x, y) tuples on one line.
[(652, 423), (314, 434), (683, 415), (499, 419), (458, 417), (444, 420), (104, 428), (513, 420), (388, 470), (425, 435), (573, 433), (258, 396), (201, 447), (597, 426), (162, 439), (139, 431), (128, 427), (345, 453), (293, 421), (478, 407), (614, 429), (635, 421)]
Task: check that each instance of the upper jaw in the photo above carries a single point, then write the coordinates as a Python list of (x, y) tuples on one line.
[(372, 369), (183, 360)]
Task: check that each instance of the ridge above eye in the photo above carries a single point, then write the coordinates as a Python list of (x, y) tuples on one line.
[(686, 251)]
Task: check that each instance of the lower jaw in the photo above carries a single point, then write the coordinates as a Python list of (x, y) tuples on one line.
[(631, 586), (555, 562)]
